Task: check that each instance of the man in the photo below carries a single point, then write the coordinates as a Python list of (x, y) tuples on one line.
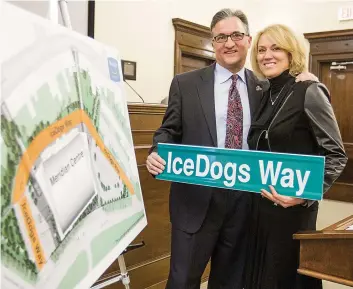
[(210, 107)]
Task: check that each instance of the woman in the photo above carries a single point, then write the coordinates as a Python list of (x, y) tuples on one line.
[(293, 118)]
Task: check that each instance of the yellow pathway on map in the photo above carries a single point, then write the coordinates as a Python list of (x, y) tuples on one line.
[(40, 142)]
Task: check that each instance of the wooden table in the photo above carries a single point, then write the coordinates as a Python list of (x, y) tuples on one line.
[(328, 254)]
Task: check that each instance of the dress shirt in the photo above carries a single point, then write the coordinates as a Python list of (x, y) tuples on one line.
[(222, 85)]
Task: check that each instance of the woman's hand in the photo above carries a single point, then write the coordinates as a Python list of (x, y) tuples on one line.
[(277, 199)]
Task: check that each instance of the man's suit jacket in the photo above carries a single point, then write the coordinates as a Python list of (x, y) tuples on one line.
[(190, 120)]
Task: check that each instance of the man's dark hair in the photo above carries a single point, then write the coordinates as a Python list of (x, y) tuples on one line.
[(226, 13)]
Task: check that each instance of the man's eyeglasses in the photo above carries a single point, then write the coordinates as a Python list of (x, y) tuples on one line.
[(235, 36)]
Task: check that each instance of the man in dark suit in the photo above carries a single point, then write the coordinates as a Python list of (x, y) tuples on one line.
[(210, 107)]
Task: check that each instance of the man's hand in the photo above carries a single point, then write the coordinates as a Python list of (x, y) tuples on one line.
[(284, 201), (306, 76), (155, 164)]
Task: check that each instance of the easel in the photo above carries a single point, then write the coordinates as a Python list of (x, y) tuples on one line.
[(53, 16), (123, 277)]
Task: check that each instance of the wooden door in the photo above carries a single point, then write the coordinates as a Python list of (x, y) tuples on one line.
[(340, 85), (193, 46), (189, 62), (326, 48)]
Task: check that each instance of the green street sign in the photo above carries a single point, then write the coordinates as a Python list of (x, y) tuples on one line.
[(293, 175)]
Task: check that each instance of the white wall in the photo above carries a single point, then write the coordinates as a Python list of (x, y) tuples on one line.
[(78, 12), (331, 212), (143, 31)]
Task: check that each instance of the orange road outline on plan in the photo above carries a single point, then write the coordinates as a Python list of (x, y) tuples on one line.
[(40, 142), (32, 232)]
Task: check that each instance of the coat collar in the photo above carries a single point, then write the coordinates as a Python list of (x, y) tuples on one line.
[(256, 88), (205, 90), (222, 74)]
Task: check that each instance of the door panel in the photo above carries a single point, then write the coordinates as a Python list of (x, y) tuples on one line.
[(339, 83), (189, 62)]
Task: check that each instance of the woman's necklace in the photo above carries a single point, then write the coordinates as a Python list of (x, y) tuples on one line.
[(273, 101)]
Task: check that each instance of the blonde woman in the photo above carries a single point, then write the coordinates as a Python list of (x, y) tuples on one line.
[(292, 118)]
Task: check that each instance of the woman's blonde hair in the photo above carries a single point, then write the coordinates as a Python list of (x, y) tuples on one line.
[(285, 39)]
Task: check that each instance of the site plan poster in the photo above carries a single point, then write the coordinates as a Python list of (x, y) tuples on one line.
[(71, 200)]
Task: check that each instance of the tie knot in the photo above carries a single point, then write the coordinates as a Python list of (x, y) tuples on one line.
[(234, 78)]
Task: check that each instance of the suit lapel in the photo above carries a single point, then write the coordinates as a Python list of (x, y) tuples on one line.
[(256, 88), (205, 89)]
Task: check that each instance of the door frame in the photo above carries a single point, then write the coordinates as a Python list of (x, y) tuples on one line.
[(327, 47), (191, 39), (319, 60)]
